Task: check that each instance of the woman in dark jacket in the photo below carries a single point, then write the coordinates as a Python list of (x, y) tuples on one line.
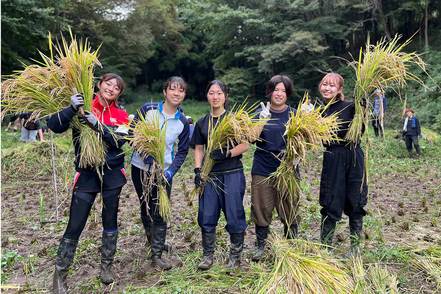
[(343, 185), (89, 181)]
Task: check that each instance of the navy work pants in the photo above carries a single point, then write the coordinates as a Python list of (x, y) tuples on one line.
[(223, 192)]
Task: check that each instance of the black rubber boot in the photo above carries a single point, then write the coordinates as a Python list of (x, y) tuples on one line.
[(292, 232), (261, 236), (355, 228), (108, 249), (159, 233), (236, 248), (327, 230), (148, 233), (208, 244), (65, 255)]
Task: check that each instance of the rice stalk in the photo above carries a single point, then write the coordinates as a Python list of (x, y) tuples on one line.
[(149, 139), (431, 266), (305, 131), (44, 88), (379, 66), (235, 127), (382, 280), (303, 267)]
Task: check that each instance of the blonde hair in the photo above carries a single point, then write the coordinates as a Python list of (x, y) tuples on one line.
[(336, 78)]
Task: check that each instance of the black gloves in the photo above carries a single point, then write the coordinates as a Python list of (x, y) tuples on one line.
[(197, 177), (220, 154)]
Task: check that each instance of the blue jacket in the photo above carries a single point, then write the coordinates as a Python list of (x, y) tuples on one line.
[(177, 132), (413, 127)]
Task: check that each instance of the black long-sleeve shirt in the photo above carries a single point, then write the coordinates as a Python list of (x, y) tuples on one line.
[(61, 121)]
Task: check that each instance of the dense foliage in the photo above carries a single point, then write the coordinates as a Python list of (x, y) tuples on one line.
[(241, 42)]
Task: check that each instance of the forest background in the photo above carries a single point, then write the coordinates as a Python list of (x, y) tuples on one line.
[(242, 43)]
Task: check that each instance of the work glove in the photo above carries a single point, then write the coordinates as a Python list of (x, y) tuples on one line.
[(219, 154), (122, 130), (168, 175), (265, 112), (77, 101), (307, 107), (89, 119), (197, 177)]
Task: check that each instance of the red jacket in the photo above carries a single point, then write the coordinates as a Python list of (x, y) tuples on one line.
[(110, 115)]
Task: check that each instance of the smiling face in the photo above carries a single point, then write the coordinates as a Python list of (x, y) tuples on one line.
[(279, 97), (174, 94), (109, 89), (216, 97), (331, 86)]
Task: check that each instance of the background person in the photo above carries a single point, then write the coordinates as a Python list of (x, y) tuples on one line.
[(411, 132)]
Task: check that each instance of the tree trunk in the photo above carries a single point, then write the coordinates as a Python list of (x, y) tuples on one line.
[(378, 5), (426, 26)]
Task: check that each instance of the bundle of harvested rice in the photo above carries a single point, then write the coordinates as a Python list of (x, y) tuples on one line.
[(375, 279), (45, 89), (378, 67), (305, 131), (236, 126), (148, 139), (303, 267)]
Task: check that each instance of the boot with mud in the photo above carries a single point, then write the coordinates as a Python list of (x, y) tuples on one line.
[(208, 243), (261, 236), (236, 248), (355, 228), (148, 233), (158, 239), (108, 250), (327, 230), (65, 255)]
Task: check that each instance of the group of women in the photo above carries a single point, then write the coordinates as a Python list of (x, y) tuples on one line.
[(342, 187)]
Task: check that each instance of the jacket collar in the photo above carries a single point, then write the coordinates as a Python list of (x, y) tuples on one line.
[(161, 110)]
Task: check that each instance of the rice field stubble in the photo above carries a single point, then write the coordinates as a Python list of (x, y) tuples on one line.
[(403, 216)]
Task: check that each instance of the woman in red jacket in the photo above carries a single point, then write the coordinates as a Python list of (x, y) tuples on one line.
[(88, 182)]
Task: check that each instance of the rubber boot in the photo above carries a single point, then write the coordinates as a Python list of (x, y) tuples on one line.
[(159, 233), (327, 230), (261, 236), (355, 228), (148, 233), (65, 255), (292, 232), (236, 248), (108, 249), (208, 244)]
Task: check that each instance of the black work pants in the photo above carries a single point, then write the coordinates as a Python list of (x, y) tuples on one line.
[(148, 198), (412, 141), (378, 128), (343, 187), (80, 208)]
